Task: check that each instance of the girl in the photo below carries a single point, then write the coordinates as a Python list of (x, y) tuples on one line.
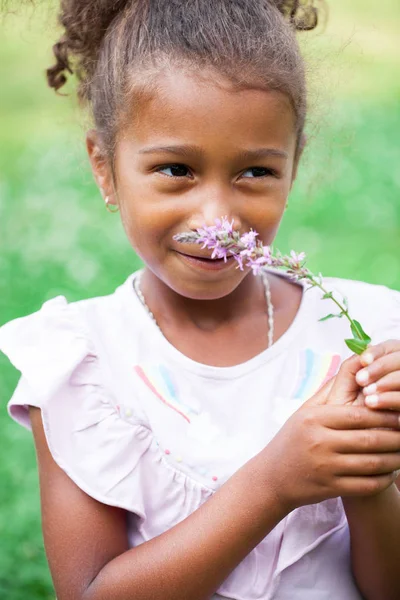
[(199, 433)]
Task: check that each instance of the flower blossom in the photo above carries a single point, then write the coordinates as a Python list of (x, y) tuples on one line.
[(250, 252), (249, 239), (224, 225)]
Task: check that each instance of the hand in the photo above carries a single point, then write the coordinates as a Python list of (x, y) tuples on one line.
[(343, 388), (325, 451), (331, 447), (381, 388), (381, 377)]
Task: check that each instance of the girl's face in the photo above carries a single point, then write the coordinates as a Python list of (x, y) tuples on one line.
[(194, 152)]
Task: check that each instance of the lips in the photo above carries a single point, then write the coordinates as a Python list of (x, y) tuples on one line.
[(201, 257), (206, 263)]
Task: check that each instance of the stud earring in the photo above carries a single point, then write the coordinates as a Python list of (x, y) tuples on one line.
[(110, 210)]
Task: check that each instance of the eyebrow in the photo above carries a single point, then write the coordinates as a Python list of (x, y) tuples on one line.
[(196, 151)]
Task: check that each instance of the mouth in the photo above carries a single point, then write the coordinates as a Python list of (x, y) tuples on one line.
[(206, 262)]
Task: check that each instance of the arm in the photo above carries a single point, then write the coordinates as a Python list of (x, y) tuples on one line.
[(374, 524), (87, 546)]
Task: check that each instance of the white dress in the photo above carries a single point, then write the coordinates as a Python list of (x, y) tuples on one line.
[(137, 424)]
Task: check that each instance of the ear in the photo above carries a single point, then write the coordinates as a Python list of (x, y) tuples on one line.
[(299, 152), (100, 165)]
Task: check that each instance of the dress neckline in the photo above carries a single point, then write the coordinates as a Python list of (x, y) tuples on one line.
[(139, 313)]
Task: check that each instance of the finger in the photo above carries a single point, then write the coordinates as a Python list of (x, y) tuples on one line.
[(386, 400), (388, 383), (365, 486), (367, 441), (321, 396), (379, 368), (374, 352), (354, 417), (345, 386), (368, 464), (360, 399)]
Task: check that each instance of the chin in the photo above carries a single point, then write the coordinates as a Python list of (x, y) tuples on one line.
[(206, 289)]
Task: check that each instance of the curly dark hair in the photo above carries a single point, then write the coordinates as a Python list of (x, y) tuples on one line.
[(116, 47)]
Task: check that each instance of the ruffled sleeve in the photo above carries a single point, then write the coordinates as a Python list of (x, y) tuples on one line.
[(61, 374)]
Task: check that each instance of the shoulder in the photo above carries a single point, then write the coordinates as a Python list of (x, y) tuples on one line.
[(61, 325), (59, 310), (374, 305), (65, 348), (370, 295), (65, 373)]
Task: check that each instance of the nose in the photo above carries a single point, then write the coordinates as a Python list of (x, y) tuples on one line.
[(211, 208)]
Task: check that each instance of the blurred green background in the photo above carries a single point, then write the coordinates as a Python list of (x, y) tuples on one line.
[(57, 238)]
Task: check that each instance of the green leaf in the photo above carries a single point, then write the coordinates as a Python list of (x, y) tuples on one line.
[(355, 331), (327, 295), (359, 333), (346, 302), (327, 317), (357, 346)]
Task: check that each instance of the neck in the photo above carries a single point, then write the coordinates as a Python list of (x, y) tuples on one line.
[(168, 306)]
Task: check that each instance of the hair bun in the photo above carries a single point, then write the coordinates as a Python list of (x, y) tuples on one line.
[(302, 14), (85, 23), (55, 74)]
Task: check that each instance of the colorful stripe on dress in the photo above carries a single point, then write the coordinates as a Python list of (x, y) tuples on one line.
[(158, 379), (315, 370)]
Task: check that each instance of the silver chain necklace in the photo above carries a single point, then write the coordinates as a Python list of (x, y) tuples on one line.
[(270, 307)]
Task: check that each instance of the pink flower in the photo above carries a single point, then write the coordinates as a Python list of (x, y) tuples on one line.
[(239, 260), (207, 236), (221, 238), (224, 225), (245, 248), (296, 259), (249, 239), (257, 264), (246, 253), (220, 252), (268, 255)]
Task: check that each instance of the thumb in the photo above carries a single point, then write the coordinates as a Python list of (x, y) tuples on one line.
[(345, 388), (322, 395)]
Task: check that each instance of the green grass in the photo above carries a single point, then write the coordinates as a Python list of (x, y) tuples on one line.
[(57, 238)]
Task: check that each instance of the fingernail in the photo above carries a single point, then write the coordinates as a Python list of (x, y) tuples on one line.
[(362, 377), (367, 358), (370, 389), (372, 400)]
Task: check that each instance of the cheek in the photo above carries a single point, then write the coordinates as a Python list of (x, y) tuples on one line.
[(267, 210), (266, 214), (146, 224)]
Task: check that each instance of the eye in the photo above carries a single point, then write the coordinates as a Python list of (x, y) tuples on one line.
[(260, 172), (176, 170), (179, 170)]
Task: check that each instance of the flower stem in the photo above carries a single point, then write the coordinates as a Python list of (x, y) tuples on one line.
[(222, 239), (343, 310)]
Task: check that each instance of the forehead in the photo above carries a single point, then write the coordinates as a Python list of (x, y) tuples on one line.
[(205, 108)]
